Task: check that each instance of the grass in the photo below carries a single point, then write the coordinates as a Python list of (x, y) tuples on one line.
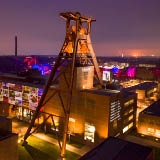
[(71, 142), (37, 149)]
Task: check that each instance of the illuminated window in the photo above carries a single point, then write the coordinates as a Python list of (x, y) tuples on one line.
[(130, 125), (25, 113), (19, 113), (157, 132), (89, 132), (129, 102), (131, 110), (130, 117), (126, 120), (155, 89), (150, 130), (71, 125), (115, 124), (128, 111), (125, 129)]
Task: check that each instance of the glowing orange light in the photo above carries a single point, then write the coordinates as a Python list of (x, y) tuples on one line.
[(135, 55)]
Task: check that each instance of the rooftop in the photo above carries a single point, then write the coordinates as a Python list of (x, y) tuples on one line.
[(142, 86), (153, 109), (117, 149), (105, 92), (24, 83), (36, 81)]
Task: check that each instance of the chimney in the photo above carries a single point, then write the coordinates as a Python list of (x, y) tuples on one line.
[(15, 45)]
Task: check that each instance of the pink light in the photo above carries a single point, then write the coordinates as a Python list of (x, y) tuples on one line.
[(131, 72)]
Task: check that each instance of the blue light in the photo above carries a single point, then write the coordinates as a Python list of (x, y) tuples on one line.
[(115, 69), (44, 69), (36, 66)]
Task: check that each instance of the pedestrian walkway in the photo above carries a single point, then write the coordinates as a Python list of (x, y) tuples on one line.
[(19, 129), (79, 151), (142, 141)]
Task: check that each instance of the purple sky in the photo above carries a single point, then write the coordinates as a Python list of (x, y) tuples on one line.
[(132, 26)]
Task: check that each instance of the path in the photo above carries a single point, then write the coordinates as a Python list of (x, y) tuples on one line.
[(19, 129), (142, 141)]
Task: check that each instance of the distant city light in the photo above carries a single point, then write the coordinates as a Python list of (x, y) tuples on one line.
[(30, 61), (131, 72), (115, 70), (45, 69)]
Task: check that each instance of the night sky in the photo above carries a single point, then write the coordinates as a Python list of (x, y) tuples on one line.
[(128, 26)]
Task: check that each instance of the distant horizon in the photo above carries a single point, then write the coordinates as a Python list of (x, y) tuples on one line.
[(128, 27), (96, 56)]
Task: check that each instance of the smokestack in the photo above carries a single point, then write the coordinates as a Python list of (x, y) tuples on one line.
[(15, 45)]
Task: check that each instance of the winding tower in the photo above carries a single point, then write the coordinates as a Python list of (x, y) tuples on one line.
[(76, 51)]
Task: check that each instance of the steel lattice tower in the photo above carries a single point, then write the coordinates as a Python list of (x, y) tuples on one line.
[(77, 50)]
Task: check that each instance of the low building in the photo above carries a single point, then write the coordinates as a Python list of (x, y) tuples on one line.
[(149, 120), (147, 93), (144, 90), (118, 149)]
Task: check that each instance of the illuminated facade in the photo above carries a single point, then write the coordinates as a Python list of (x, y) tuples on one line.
[(149, 120), (95, 113), (147, 93)]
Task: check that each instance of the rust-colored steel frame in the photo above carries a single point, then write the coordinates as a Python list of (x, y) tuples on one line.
[(70, 59)]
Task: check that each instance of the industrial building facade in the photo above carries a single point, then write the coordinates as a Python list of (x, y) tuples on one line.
[(149, 120), (95, 113)]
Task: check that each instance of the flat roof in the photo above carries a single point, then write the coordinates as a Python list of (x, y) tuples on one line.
[(142, 86), (11, 78), (117, 149), (105, 92), (23, 83), (153, 109)]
